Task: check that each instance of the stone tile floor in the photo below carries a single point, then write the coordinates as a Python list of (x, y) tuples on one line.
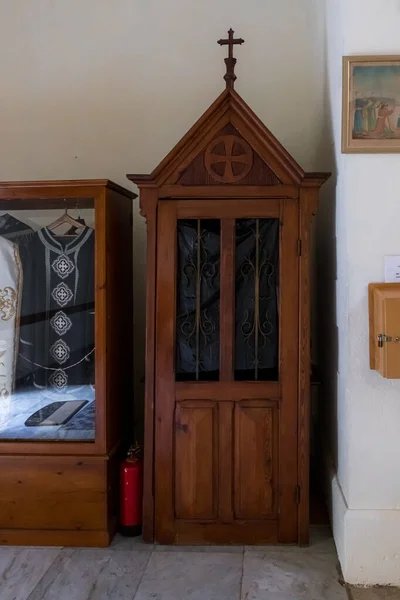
[(378, 593), (130, 569)]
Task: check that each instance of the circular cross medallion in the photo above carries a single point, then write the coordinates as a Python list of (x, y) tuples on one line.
[(228, 159)]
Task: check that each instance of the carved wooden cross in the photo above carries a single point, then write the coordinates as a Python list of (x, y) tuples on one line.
[(230, 62)]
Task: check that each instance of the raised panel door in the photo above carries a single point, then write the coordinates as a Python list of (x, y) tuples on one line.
[(255, 455), (195, 464), (226, 372)]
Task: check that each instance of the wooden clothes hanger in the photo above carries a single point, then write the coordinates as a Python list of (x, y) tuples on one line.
[(66, 219)]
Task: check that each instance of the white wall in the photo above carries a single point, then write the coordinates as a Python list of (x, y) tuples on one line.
[(366, 451), (101, 88)]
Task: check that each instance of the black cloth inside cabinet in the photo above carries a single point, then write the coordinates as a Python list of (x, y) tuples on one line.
[(56, 346), (257, 320), (13, 229), (198, 294)]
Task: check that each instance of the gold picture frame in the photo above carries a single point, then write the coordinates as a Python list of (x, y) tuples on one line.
[(371, 104)]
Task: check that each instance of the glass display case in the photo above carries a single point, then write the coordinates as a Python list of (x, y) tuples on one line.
[(47, 323), (65, 339)]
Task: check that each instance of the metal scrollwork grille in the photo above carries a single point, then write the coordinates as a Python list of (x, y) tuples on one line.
[(198, 295), (257, 339)]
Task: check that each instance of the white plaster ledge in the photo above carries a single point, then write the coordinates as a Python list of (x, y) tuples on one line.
[(367, 541)]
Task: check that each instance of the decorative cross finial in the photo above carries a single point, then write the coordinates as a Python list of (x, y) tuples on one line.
[(230, 62)]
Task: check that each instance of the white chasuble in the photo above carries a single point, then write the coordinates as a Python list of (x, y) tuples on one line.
[(10, 301)]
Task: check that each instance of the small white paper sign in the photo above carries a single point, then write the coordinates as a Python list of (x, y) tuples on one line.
[(392, 269)]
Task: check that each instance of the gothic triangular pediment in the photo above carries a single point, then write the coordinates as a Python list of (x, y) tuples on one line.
[(229, 130)]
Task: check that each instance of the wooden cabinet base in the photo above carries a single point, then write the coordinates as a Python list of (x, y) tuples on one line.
[(58, 500), (37, 537)]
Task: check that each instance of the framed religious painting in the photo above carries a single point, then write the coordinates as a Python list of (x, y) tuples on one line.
[(371, 104)]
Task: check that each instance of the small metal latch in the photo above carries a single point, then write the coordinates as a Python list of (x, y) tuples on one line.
[(382, 338)]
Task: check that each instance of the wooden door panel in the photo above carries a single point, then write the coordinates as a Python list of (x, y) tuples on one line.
[(239, 532), (256, 452), (227, 391), (220, 209), (225, 455), (226, 450), (196, 447)]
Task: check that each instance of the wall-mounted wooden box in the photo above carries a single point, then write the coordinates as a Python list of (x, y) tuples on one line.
[(384, 328)]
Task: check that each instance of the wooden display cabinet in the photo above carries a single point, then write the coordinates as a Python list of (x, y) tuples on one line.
[(59, 478)]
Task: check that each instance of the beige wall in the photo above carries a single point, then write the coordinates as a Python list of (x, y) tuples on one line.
[(100, 88)]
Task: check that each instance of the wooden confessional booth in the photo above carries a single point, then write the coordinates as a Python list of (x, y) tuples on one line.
[(228, 365)]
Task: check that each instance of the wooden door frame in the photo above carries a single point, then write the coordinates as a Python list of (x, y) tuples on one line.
[(308, 204), (150, 197)]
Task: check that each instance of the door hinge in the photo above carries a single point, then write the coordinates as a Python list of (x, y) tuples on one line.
[(298, 494), (299, 247)]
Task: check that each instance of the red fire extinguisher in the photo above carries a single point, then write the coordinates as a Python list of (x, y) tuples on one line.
[(131, 484)]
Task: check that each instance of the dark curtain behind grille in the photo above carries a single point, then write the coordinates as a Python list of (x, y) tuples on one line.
[(197, 323), (257, 340)]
